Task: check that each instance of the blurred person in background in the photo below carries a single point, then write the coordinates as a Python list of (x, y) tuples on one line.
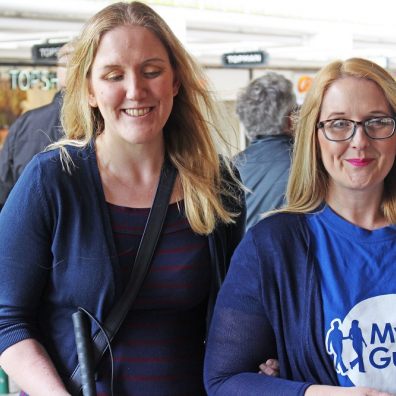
[(314, 284), (71, 226), (32, 132), (264, 108)]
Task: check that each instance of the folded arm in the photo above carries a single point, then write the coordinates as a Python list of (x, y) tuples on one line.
[(241, 337)]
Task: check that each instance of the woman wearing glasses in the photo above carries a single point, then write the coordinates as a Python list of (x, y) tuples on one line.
[(314, 284)]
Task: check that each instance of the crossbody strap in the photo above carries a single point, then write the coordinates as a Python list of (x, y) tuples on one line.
[(140, 269)]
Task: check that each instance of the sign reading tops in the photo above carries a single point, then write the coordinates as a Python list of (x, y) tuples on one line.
[(245, 58), (46, 52)]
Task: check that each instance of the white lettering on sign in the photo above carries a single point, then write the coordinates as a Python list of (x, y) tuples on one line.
[(27, 79), (48, 52), (244, 58)]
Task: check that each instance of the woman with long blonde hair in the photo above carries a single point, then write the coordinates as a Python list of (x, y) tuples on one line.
[(70, 230), (309, 273)]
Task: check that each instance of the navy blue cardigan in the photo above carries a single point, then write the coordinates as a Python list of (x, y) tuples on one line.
[(57, 252), (269, 306)]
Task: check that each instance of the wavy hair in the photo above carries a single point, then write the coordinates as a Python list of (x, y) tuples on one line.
[(264, 105), (308, 182), (192, 134)]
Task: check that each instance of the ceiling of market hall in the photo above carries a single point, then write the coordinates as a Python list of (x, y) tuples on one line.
[(294, 34)]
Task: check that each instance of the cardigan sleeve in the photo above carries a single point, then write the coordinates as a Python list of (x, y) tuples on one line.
[(24, 258), (241, 336)]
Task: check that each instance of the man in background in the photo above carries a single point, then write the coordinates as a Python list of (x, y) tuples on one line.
[(264, 108), (32, 132)]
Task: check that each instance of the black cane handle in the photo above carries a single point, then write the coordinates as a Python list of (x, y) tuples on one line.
[(84, 353)]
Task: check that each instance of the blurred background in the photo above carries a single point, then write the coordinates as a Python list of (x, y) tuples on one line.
[(234, 40)]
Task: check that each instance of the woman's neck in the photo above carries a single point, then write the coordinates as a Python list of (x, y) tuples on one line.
[(139, 159), (362, 208), (129, 174)]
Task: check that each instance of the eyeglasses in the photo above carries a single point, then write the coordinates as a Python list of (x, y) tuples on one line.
[(339, 130)]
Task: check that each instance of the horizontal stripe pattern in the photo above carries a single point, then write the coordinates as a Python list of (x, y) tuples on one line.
[(159, 349)]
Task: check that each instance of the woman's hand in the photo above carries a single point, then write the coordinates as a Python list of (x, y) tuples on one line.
[(270, 367), (324, 390)]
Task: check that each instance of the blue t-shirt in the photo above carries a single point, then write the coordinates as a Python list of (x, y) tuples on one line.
[(357, 270)]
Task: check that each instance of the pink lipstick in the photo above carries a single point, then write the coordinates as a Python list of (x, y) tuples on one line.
[(359, 161)]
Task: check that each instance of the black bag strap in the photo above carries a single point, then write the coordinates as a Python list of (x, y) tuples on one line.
[(139, 271)]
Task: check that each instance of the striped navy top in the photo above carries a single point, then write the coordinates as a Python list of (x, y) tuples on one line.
[(159, 349)]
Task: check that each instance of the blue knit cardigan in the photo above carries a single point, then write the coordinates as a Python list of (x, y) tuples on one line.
[(57, 253), (269, 307)]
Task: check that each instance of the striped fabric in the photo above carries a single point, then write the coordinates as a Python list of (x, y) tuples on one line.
[(159, 348)]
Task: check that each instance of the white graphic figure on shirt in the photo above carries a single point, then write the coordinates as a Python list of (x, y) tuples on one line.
[(363, 344), (334, 345)]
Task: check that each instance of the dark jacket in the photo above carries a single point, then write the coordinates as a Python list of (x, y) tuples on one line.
[(264, 168), (62, 221), (28, 135)]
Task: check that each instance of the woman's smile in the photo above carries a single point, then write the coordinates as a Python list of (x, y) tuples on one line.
[(139, 112), (360, 162)]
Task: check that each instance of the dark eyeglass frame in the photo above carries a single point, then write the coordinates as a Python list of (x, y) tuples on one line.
[(321, 125)]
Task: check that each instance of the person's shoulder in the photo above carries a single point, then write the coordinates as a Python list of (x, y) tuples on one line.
[(282, 218), (282, 223), (49, 170), (19, 122), (253, 147), (283, 235), (33, 113), (259, 150), (58, 157), (54, 104), (30, 118)]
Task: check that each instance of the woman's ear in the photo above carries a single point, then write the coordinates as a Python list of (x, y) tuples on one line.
[(91, 96), (92, 100), (176, 86)]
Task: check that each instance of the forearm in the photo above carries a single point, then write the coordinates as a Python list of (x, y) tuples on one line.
[(29, 365), (254, 384), (324, 390)]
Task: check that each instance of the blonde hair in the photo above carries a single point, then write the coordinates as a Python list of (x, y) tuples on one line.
[(308, 181), (188, 131)]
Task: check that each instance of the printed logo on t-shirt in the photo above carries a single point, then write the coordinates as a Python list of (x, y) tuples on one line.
[(363, 345)]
